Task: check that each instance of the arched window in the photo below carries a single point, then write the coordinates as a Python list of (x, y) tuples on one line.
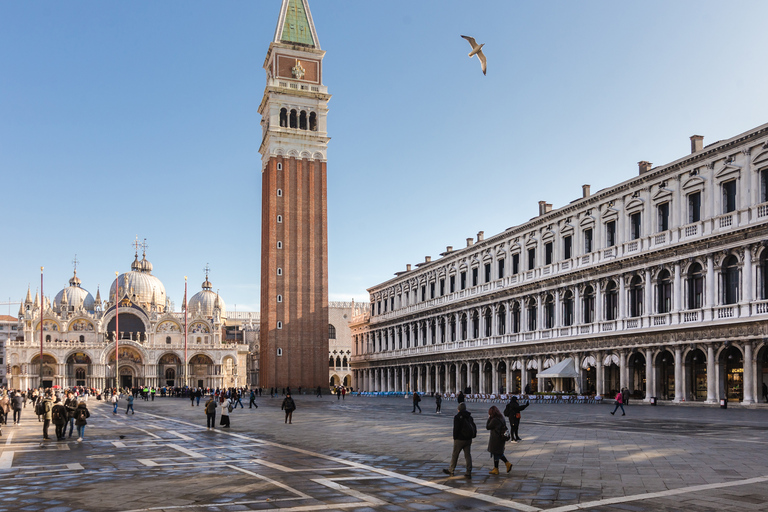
[(531, 312), (475, 325), (330, 362), (730, 280), (399, 337), (636, 297), (344, 362), (284, 117), (294, 119), (433, 329), (487, 320), (279, 219), (568, 308), (442, 330), (279, 192), (168, 340), (763, 268), (313, 121), (611, 301), (303, 120), (588, 303), (453, 328), (549, 312), (82, 339), (516, 318), (695, 283), (424, 333), (501, 321), (464, 326), (338, 361), (664, 292), (47, 338)]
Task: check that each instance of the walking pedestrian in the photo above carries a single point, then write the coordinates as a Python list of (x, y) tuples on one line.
[(625, 396), (343, 393), (619, 403), (191, 398), (114, 403), (497, 439), (438, 403), (225, 410), (460, 397), (464, 430), (416, 400), (130, 405), (210, 413), (5, 408), (238, 400), (512, 411), (59, 416), (288, 406), (17, 404), (198, 395), (47, 406), (81, 415), (319, 392)]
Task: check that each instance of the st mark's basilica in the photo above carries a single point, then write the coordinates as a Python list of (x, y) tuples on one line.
[(79, 333)]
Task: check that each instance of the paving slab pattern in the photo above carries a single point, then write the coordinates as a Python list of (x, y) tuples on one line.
[(374, 454)]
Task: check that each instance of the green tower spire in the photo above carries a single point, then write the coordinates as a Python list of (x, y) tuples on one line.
[(297, 24)]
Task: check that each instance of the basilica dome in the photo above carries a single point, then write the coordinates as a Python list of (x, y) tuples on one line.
[(73, 296), (140, 285), (207, 300)]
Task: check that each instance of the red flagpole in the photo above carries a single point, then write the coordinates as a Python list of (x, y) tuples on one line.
[(117, 330), (42, 310), (186, 363)]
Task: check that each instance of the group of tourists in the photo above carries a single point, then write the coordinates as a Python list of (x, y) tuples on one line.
[(465, 430), (61, 408)]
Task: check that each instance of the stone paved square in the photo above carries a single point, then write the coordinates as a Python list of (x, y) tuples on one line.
[(368, 453)]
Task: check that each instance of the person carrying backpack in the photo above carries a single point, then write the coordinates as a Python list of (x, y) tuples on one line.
[(81, 415), (416, 400), (464, 430), (59, 417), (44, 407), (210, 412), (288, 406), (130, 405)]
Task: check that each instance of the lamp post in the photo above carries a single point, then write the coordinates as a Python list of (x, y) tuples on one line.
[(42, 311), (117, 330)]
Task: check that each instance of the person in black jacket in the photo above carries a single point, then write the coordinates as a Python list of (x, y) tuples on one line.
[(288, 406), (512, 411), (416, 400), (464, 430), (497, 440)]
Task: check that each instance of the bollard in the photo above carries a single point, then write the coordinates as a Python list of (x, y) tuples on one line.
[(723, 403)]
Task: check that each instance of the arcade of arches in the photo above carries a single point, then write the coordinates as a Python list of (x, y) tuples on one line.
[(677, 372)]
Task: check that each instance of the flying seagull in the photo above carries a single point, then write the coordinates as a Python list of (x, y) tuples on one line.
[(477, 49)]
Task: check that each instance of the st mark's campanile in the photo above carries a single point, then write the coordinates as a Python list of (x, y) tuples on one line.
[(294, 228)]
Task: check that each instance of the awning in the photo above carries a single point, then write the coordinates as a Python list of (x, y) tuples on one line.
[(563, 369)]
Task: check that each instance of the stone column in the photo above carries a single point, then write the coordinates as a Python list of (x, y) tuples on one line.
[(648, 299), (747, 284), (623, 374), (599, 378), (508, 385), (577, 366), (417, 387), (710, 284), (539, 380), (677, 289), (749, 378), (649, 384), (481, 376), (494, 378), (679, 392), (622, 297), (523, 375)]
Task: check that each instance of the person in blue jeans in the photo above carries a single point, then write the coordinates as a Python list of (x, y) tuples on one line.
[(114, 402), (130, 405), (81, 415), (619, 403)]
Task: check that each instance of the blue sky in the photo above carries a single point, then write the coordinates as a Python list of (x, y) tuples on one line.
[(120, 119)]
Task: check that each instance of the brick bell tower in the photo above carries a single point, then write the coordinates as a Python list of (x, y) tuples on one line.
[(294, 226)]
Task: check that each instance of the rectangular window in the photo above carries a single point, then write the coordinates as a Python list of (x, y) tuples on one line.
[(567, 247), (385, 305), (764, 185), (729, 196), (663, 210), (474, 276), (515, 263), (548, 253), (487, 272), (442, 287), (531, 258), (452, 284), (464, 280), (587, 241), (423, 293), (610, 234), (634, 226), (392, 303), (501, 269), (432, 290), (694, 207), (378, 308)]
